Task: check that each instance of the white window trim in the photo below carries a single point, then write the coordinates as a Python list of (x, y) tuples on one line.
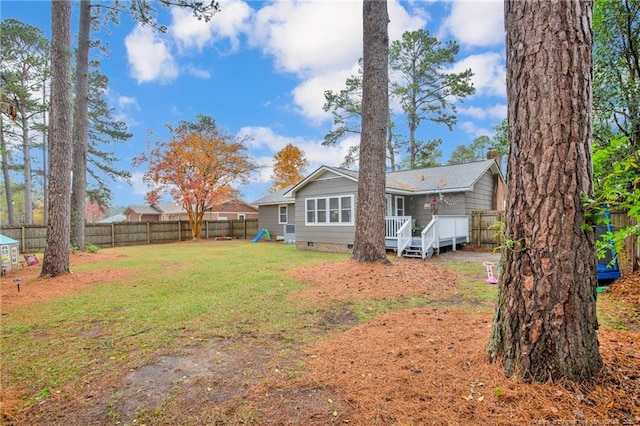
[(328, 214), (242, 216), (280, 222), (404, 206)]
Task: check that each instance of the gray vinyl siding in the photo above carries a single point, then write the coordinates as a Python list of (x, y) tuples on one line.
[(482, 196), (328, 185), (268, 219)]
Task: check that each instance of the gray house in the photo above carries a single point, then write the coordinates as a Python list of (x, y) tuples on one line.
[(276, 214), (426, 209)]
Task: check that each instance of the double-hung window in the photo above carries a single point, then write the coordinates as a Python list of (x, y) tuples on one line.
[(329, 210), (283, 217)]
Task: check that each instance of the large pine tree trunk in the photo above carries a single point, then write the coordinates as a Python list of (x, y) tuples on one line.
[(81, 129), (369, 239), (545, 321), (56, 255), (6, 176), (27, 173)]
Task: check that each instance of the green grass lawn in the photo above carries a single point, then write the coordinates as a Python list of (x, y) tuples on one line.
[(173, 294)]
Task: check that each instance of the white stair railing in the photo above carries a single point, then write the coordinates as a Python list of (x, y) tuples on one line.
[(404, 237), (429, 237), (392, 225)]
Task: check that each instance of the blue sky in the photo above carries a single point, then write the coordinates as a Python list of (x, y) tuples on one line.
[(260, 69)]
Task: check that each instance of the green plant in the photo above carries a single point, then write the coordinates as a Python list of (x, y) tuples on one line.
[(506, 241), (91, 248)]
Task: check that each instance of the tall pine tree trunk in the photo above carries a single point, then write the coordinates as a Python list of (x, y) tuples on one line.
[(369, 239), (6, 176), (81, 129), (56, 254), (27, 173), (545, 321)]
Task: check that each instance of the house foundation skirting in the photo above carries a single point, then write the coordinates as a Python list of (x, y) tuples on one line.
[(326, 247)]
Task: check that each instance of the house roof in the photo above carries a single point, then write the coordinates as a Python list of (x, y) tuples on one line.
[(449, 178), (142, 209), (235, 201), (275, 198), (115, 218), (431, 180), (169, 207), (6, 240)]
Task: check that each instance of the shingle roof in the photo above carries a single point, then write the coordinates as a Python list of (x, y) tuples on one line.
[(275, 197), (143, 209), (450, 178), (169, 207)]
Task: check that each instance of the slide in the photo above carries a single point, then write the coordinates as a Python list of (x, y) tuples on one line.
[(257, 237)]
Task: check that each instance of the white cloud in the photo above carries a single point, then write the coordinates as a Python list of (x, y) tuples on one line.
[(189, 31), (269, 143), (309, 37), (309, 95), (475, 22), (128, 102), (232, 20), (192, 33), (321, 43), (489, 73), (149, 56), (496, 112), (138, 187), (472, 129), (197, 72)]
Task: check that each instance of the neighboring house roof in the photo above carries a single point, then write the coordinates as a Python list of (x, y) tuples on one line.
[(233, 201), (142, 209), (431, 180), (275, 198), (6, 240), (115, 218), (169, 207)]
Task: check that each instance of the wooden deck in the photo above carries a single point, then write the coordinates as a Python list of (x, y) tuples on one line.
[(441, 233)]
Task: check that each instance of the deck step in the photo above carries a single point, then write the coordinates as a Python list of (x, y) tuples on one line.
[(416, 252), (413, 251)]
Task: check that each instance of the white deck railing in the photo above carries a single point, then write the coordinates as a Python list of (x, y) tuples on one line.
[(393, 225), (443, 228)]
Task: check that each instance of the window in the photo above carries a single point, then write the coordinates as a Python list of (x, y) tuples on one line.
[(283, 217), (241, 216), (330, 210), (399, 206)]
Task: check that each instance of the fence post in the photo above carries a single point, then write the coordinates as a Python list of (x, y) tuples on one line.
[(113, 234)]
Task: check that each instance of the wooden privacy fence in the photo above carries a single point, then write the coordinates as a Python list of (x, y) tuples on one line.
[(33, 238), (482, 236)]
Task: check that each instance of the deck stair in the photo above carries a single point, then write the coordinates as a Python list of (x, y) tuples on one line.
[(441, 232)]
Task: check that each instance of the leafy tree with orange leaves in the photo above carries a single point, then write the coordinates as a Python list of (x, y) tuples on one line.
[(289, 165), (196, 167)]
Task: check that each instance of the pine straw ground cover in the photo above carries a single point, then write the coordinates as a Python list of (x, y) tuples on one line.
[(428, 366), (417, 365)]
